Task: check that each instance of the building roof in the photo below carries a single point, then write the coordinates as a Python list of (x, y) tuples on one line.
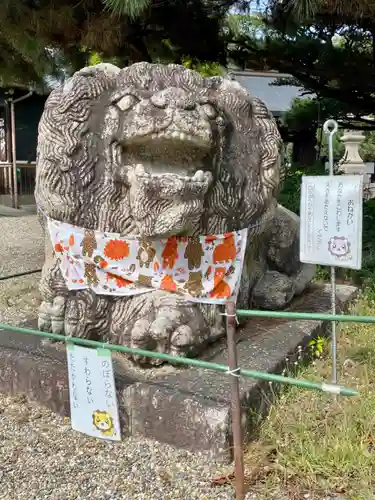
[(277, 98)]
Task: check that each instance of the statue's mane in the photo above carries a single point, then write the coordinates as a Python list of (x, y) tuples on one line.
[(72, 152)]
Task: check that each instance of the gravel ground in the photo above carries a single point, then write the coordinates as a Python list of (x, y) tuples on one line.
[(21, 250), (41, 457), (19, 299), (21, 244)]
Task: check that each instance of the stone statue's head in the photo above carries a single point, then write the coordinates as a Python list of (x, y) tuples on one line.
[(156, 150)]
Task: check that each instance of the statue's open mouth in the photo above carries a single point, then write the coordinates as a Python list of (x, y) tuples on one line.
[(173, 137), (169, 174), (170, 152)]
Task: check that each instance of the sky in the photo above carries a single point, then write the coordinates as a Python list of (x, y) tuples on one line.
[(254, 6)]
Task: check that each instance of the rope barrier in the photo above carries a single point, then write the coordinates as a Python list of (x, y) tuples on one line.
[(305, 384), (18, 275), (344, 318)]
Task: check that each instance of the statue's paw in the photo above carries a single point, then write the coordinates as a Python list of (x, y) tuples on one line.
[(178, 329), (51, 315), (273, 291), (44, 317)]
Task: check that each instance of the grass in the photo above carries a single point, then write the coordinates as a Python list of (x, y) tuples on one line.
[(312, 446)]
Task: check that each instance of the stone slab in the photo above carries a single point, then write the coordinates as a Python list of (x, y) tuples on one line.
[(185, 407)]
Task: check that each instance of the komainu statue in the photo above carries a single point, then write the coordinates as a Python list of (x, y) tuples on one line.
[(131, 164)]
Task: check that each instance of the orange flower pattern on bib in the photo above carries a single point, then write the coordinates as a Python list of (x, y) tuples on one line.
[(201, 268)]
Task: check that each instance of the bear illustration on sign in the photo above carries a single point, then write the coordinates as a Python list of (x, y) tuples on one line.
[(194, 253), (170, 253), (340, 247), (89, 243), (146, 253), (226, 251), (90, 274), (221, 288), (194, 284)]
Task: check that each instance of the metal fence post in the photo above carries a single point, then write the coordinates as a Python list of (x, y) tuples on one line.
[(15, 203), (235, 401)]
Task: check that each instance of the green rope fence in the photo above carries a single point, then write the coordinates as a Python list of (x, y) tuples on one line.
[(304, 384), (344, 318)]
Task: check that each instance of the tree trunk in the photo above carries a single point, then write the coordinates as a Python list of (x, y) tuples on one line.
[(304, 148)]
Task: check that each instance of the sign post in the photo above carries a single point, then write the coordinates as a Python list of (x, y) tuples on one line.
[(330, 128), (331, 224)]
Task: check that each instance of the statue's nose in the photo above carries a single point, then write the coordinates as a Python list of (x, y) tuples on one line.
[(173, 97)]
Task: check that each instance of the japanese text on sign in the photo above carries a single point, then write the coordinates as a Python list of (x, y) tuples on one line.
[(331, 220), (92, 392)]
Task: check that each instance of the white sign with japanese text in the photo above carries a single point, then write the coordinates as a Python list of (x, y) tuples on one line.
[(93, 402), (331, 220)]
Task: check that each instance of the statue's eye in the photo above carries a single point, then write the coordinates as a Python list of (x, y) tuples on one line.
[(127, 102), (209, 110)]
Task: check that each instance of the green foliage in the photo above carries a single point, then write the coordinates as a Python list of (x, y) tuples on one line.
[(337, 146), (367, 148), (290, 194), (302, 114), (323, 446), (366, 275), (316, 346), (94, 58), (36, 36), (245, 25), (306, 10), (131, 8), (303, 42), (205, 68), (309, 112)]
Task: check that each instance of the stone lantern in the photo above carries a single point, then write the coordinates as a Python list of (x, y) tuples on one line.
[(352, 163)]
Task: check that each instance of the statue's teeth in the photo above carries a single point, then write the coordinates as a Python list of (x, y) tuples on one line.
[(198, 176), (139, 169), (208, 176), (175, 135), (182, 136)]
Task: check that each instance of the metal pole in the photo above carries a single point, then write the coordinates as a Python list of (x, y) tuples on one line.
[(14, 158), (12, 101), (330, 127), (235, 401), (8, 169)]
